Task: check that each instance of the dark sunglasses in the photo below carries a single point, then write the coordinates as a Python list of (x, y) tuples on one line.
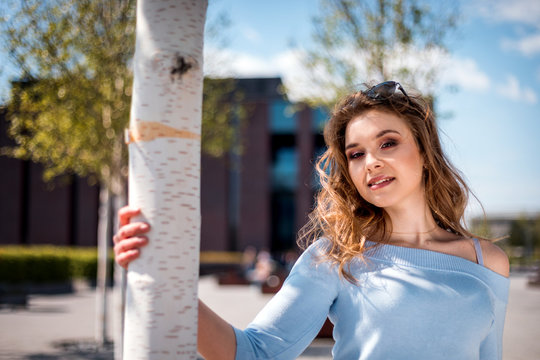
[(384, 90)]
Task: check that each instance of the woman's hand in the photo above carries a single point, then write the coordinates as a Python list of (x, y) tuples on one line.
[(130, 237), (216, 339)]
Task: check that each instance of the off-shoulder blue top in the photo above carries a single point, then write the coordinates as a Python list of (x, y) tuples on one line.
[(408, 304)]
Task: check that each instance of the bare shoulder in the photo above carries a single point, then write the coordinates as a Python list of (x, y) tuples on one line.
[(495, 258)]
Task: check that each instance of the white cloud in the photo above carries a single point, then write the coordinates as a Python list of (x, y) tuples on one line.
[(299, 81), (447, 69), (245, 65), (520, 11), (238, 64), (513, 90), (528, 45), (226, 63), (465, 73), (288, 65), (461, 72)]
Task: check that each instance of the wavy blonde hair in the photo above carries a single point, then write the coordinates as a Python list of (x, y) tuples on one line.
[(343, 217)]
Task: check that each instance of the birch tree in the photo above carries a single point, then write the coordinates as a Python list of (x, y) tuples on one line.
[(164, 154)]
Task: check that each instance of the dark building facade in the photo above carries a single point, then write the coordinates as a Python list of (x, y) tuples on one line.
[(33, 212), (259, 198), (262, 197)]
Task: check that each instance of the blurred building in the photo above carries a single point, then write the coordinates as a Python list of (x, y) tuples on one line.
[(32, 213), (262, 197), (259, 198)]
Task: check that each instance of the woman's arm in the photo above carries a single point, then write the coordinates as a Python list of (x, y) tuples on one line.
[(282, 330), (496, 260), (290, 321), (216, 339)]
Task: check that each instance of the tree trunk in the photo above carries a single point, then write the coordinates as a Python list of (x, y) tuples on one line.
[(104, 236), (164, 179), (119, 292), (119, 311)]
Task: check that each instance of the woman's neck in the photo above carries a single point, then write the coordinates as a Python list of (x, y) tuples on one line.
[(413, 225)]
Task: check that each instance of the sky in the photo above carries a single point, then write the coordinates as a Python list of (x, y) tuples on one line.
[(491, 126), (493, 118)]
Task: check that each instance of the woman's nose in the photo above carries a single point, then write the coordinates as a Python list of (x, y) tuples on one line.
[(373, 162)]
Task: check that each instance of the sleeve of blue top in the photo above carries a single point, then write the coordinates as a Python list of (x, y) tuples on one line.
[(294, 316), (491, 347)]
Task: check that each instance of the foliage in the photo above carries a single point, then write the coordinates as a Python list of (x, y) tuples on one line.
[(480, 227), (520, 239), (71, 105), (525, 231), (69, 110), (222, 116), (358, 41), (40, 264), (47, 264)]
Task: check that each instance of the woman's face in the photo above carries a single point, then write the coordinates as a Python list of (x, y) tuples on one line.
[(385, 164)]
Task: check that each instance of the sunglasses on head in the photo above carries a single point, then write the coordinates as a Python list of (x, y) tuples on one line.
[(384, 90)]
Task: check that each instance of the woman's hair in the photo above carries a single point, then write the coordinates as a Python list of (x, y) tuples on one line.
[(343, 217)]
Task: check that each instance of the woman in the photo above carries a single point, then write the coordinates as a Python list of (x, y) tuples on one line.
[(390, 261)]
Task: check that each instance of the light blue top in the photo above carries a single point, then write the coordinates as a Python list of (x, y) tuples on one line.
[(408, 304)]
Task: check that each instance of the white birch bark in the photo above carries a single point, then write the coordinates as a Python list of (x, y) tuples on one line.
[(119, 294), (164, 179), (104, 231)]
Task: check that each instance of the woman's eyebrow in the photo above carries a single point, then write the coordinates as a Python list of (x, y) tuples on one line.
[(380, 134), (384, 132)]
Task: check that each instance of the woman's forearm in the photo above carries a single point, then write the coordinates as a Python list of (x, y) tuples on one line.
[(216, 339)]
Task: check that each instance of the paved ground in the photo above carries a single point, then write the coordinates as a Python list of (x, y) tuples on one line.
[(522, 327), (62, 326)]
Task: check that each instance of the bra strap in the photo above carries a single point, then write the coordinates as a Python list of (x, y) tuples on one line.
[(478, 249)]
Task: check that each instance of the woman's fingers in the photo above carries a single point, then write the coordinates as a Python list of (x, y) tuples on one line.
[(125, 258), (126, 213), (129, 244), (127, 250), (131, 230), (129, 237)]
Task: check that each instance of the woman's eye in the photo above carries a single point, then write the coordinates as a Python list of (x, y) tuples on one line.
[(356, 155), (388, 144)]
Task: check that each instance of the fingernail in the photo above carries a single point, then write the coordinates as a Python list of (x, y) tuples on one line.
[(144, 227)]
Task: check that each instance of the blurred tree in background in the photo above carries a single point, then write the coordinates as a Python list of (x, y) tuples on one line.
[(520, 232), (525, 236), (71, 102), (519, 236), (359, 41)]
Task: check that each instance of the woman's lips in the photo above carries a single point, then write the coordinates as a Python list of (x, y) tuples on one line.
[(381, 182)]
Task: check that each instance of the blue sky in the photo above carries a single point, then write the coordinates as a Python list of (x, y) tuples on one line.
[(492, 135)]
